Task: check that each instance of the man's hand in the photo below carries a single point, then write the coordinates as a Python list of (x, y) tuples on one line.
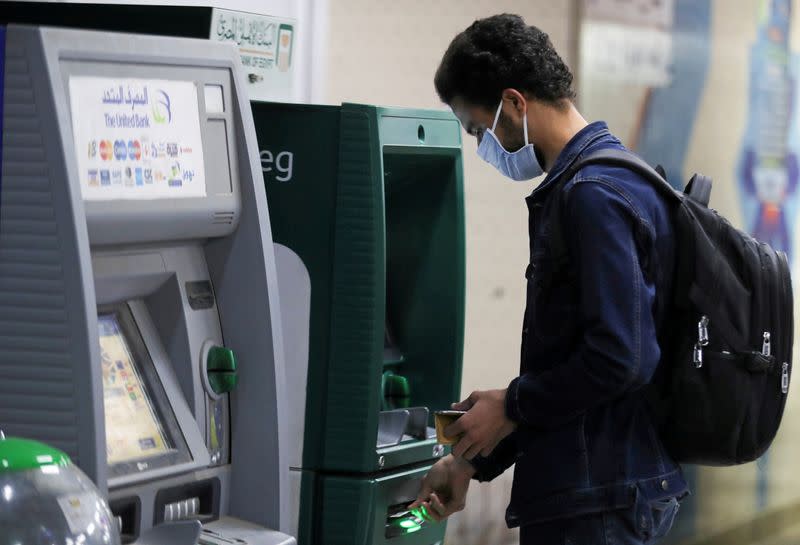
[(483, 426), (444, 488)]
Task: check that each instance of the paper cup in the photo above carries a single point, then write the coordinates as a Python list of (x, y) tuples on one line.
[(442, 419)]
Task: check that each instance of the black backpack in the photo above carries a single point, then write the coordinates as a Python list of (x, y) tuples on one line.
[(720, 389)]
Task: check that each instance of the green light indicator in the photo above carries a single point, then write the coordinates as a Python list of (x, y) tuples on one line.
[(409, 526)]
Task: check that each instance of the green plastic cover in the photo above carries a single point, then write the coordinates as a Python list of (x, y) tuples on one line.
[(18, 454)]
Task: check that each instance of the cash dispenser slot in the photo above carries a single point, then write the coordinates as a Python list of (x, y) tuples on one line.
[(398, 421), (195, 501), (401, 521), (127, 512)]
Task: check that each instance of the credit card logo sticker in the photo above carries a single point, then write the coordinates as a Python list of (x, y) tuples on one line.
[(134, 150), (120, 150), (105, 150), (105, 177)]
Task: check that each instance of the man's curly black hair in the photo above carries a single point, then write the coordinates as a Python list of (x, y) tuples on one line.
[(498, 53)]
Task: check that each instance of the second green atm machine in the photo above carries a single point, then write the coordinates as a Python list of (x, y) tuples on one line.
[(367, 214)]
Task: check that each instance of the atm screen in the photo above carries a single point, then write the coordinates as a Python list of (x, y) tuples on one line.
[(140, 425), (132, 427)]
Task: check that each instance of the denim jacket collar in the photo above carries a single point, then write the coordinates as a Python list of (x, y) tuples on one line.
[(577, 145)]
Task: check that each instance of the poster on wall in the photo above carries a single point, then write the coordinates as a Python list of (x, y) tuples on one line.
[(137, 138), (768, 166), (664, 81), (767, 172), (637, 13), (627, 41), (266, 46), (728, 108)]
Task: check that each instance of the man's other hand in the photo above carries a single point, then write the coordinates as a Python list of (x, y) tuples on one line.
[(444, 488), (483, 426)]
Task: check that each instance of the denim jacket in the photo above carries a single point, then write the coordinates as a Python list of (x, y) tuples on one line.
[(585, 440)]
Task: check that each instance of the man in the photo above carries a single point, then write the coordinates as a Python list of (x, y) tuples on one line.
[(590, 467)]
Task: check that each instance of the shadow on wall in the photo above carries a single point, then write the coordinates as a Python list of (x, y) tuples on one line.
[(482, 521)]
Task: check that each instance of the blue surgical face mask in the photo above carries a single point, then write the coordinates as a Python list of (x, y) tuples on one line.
[(520, 165)]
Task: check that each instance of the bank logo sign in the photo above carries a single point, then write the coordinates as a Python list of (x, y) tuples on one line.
[(266, 49), (162, 111)]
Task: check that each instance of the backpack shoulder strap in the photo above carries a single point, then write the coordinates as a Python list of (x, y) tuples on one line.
[(609, 157), (630, 161)]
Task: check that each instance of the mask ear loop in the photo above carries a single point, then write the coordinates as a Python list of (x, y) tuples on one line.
[(497, 115), (525, 125)]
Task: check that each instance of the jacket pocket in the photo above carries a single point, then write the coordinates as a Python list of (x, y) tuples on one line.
[(651, 520), (663, 514)]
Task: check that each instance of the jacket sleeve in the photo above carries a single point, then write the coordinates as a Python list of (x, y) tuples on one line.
[(501, 458), (618, 350)]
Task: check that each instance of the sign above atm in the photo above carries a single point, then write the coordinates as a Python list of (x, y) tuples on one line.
[(266, 47)]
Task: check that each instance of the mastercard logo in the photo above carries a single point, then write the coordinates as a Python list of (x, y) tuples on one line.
[(106, 150)]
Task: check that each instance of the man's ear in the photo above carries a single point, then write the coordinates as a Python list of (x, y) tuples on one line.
[(516, 99)]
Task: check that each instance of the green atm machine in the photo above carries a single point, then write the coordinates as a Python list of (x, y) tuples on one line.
[(367, 215)]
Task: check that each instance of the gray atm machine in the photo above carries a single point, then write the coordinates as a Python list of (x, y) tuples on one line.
[(139, 322)]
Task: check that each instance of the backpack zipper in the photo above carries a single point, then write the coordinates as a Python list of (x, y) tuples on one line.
[(702, 341), (768, 262), (697, 356), (766, 346), (702, 331), (785, 378), (788, 328)]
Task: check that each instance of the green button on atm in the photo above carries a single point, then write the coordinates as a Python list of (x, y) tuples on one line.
[(395, 390), (221, 369)]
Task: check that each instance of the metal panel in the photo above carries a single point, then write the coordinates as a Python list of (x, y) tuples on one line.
[(46, 301)]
